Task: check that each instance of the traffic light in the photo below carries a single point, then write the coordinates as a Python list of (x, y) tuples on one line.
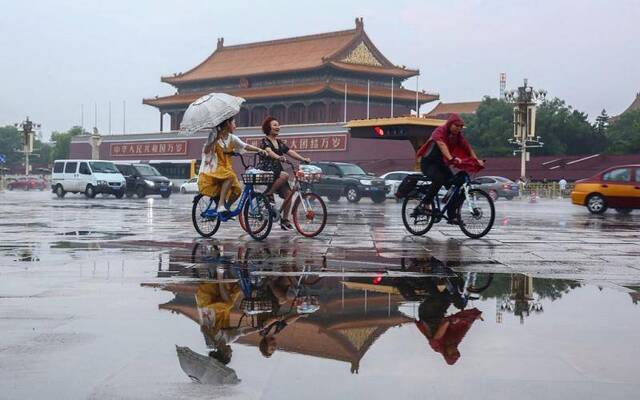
[(390, 131)]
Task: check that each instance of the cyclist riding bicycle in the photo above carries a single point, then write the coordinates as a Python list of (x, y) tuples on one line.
[(217, 177), (276, 150), (446, 146)]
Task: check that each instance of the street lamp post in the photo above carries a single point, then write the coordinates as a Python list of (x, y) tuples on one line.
[(27, 127), (525, 99)]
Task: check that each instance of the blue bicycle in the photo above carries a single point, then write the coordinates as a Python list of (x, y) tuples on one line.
[(254, 206)]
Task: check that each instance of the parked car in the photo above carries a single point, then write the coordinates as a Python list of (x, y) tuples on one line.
[(497, 186), (190, 186), (617, 187), (143, 180), (86, 176), (394, 178), (27, 183), (344, 179)]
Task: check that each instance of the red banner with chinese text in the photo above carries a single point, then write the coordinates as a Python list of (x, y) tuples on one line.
[(172, 148), (337, 142)]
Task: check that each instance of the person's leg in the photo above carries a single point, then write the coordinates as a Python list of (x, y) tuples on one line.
[(281, 179), (235, 190), (224, 190), (439, 175), (456, 198), (287, 194)]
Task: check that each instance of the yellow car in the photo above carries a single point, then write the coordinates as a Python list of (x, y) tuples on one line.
[(616, 187)]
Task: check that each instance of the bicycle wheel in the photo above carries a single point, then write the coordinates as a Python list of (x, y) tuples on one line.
[(205, 226), (415, 222), (257, 216), (479, 282), (477, 214), (309, 214), (243, 225)]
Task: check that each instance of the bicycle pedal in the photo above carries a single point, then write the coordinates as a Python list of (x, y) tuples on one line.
[(210, 214)]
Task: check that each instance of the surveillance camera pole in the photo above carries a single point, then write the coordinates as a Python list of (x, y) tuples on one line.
[(524, 117)]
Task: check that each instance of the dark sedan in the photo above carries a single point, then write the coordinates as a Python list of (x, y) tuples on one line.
[(143, 180)]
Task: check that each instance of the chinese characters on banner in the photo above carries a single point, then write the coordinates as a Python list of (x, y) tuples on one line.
[(172, 148), (337, 142)]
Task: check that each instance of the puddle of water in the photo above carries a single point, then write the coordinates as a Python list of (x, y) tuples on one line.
[(425, 324), (104, 235)]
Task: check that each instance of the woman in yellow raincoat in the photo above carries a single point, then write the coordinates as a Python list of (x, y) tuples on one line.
[(217, 178)]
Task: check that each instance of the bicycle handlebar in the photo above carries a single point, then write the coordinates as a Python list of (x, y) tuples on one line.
[(236, 154), (244, 164)]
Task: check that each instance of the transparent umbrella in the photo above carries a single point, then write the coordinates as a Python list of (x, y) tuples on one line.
[(209, 111), (205, 370)]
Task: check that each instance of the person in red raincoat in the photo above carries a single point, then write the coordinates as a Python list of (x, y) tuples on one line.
[(446, 146)]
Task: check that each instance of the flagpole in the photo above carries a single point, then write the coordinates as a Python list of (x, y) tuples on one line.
[(124, 117), (345, 102), (392, 97), (109, 118), (368, 96), (417, 103)]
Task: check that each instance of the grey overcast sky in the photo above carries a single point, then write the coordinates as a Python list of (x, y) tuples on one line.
[(58, 55)]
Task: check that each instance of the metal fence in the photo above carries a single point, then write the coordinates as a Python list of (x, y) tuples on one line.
[(549, 190)]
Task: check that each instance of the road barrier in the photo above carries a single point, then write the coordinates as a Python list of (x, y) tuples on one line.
[(549, 190)]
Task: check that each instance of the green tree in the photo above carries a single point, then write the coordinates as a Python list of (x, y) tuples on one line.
[(10, 142), (563, 130), (624, 133), (44, 150), (491, 127), (62, 142), (566, 131)]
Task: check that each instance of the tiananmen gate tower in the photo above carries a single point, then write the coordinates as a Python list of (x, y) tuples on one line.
[(299, 80)]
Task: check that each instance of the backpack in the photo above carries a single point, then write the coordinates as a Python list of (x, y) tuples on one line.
[(407, 185)]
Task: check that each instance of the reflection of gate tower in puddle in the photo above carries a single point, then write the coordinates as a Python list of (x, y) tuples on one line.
[(521, 301), (352, 316)]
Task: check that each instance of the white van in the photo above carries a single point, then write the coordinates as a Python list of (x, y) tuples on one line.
[(86, 176)]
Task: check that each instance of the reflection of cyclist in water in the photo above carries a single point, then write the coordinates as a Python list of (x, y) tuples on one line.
[(444, 333), (285, 290), (215, 302), (272, 327), (436, 295)]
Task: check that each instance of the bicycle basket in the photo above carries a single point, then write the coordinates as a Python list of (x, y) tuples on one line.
[(308, 177), (262, 178), (307, 304), (254, 306)]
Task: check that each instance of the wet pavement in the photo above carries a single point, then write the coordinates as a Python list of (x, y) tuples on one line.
[(95, 295)]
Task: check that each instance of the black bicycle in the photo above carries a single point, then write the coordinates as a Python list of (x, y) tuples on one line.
[(475, 212)]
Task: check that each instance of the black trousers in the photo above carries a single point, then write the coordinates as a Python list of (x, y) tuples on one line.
[(440, 175)]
